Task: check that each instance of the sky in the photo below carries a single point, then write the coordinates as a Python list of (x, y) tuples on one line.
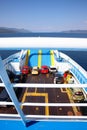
[(44, 15)]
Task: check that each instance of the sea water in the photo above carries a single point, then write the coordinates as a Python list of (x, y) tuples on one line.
[(45, 34)]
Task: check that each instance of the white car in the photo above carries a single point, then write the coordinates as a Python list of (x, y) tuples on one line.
[(77, 94), (35, 70), (52, 69)]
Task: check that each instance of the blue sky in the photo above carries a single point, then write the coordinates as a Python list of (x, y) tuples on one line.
[(44, 15)]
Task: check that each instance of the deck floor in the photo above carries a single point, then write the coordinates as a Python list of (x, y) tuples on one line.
[(43, 95)]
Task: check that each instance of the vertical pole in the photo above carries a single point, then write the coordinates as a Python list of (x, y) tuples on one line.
[(39, 58), (52, 57), (10, 90)]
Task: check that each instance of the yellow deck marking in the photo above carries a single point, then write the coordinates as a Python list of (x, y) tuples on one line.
[(70, 98), (62, 90), (42, 95), (24, 97), (52, 58), (35, 90), (27, 57), (37, 94), (39, 58), (47, 107), (47, 75)]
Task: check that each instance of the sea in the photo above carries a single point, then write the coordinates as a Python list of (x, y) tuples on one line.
[(45, 34), (80, 56)]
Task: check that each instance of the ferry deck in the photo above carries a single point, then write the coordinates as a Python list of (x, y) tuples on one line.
[(42, 95), (36, 97)]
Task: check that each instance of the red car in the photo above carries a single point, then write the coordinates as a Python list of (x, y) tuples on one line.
[(25, 70), (44, 69)]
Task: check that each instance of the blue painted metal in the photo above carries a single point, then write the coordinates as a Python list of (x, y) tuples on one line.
[(46, 58), (81, 78), (43, 125), (33, 58), (10, 90)]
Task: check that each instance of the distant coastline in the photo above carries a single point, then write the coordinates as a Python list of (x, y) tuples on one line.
[(75, 31), (15, 30)]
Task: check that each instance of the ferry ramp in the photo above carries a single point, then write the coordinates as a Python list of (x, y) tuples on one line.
[(33, 58), (48, 58), (40, 57)]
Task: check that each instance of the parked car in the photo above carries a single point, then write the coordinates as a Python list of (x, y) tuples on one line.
[(52, 69), (71, 80), (25, 70), (83, 109), (57, 74), (77, 94), (17, 79), (4, 95), (58, 79), (11, 75), (44, 69), (35, 70)]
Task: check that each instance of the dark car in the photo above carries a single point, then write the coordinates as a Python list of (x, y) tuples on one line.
[(58, 78), (4, 95), (17, 79), (57, 74), (83, 109), (11, 75)]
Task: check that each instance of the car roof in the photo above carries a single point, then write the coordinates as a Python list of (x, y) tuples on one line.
[(52, 66), (44, 66), (25, 66), (35, 67)]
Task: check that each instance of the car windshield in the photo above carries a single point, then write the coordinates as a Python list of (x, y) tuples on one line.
[(25, 68), (53, 68), (79, 93), (57, 75), (44, 68), (35, 69)]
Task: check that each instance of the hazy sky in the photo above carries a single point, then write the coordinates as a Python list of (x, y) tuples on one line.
[(44, 15)]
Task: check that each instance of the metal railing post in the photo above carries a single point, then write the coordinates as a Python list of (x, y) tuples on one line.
[(9, 88)]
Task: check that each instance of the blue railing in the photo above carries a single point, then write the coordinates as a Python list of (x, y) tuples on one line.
[(81, 78), (76, 69)]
